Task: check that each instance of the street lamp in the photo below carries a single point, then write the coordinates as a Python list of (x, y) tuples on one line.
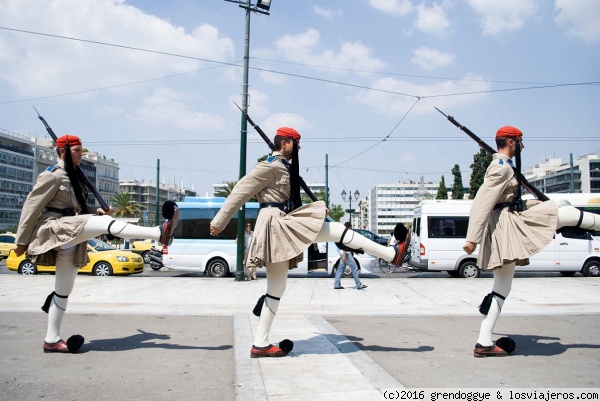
[(262, 7), (356, 195)]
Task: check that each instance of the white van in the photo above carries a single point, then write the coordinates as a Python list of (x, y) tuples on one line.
[(440, 230), (217, 258)]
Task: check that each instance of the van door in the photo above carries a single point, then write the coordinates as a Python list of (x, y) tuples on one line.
[(545, 260), (572, 250)]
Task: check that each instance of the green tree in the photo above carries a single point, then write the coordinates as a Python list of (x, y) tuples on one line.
[(481, 161), (263, 158), (336, 212), (442, 192), (225, 192), (124, 206), (458, 191)]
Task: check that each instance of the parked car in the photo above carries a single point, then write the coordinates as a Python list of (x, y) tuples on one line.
[(372, 236), (7, 242), (143, 248), (104, 261)]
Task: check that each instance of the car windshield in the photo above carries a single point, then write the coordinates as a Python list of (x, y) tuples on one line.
[(365, 233), (99, 245)]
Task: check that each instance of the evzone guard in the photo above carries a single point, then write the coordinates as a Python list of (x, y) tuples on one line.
[(56, 223), (510, 231), (284, 229)]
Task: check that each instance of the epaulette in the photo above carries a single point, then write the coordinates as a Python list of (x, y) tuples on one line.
[(500, 161), (271, 159), (52, 168)]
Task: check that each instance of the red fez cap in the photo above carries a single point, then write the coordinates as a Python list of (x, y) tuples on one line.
[(508, 132), (72, 140), (288, 133)]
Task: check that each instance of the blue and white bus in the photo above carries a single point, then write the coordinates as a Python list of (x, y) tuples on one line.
[(195, 250)]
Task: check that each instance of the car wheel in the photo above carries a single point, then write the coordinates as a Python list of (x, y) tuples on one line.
[(591, 269), (218, 268), (27, 268), (568, 274), (468, 269), (146, 256), (102, 269)]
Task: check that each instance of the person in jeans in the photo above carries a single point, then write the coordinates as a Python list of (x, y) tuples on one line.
[(347, 259)]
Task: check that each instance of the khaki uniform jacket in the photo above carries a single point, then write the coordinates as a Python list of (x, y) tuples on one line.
[(45, 231), (507, 236), (277, 236)]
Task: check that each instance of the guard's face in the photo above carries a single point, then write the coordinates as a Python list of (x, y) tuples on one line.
[(76, 154), (287, 146)]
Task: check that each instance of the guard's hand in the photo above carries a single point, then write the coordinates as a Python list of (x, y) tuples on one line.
[(214, 231), (20, 249), (469, 247), (327, 212), (103, 212)]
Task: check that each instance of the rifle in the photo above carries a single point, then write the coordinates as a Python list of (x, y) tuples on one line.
[(81, 175), (272, 147), (533, 190)]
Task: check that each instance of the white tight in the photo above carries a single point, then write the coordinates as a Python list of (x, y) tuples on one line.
[(332, 232), (98, 225), (63, 285), (568, 216), (277, 273), (502, 283), (276, 282)]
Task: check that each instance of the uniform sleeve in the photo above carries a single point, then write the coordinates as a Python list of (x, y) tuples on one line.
[(496, 179), (43, 191), (258, 179)]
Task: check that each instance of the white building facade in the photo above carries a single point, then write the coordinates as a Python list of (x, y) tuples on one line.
[(556, 176)]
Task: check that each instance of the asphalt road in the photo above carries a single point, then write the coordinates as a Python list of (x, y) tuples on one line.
[(399, 273)]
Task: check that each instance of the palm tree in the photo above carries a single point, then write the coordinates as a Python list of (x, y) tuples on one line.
[(124, 206), (226, 191)]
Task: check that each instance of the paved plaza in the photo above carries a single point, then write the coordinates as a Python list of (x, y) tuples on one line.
[(182, 338)]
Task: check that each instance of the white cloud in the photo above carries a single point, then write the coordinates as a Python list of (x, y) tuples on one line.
[(327, 13), (499, 16), (170, 108), (430, 59), (394, 105), (580, 18), (39, 65), (431, 20), (306, 48), (393, 7)]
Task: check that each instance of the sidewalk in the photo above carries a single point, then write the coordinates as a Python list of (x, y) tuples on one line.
[(348, 343)]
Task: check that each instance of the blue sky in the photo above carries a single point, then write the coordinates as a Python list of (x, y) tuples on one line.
[(346, 74)]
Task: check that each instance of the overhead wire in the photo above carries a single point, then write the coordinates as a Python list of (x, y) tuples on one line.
[(533, 86)]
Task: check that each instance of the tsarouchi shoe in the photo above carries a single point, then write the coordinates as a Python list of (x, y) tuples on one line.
[(268, 351), (493, 350), (59, 346), (167, 230)]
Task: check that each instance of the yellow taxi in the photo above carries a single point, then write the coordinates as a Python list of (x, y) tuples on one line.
[(7, 242), (143, 248), (104, 261)]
